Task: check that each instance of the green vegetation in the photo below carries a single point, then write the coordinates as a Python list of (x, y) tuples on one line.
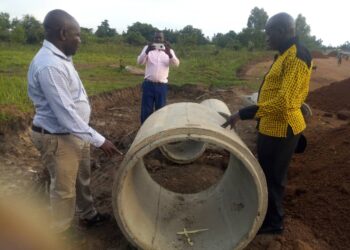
[(99, 67), (104, 54), (30, 31), (211, 66)]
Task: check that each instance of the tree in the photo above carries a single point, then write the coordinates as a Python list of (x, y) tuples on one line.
[(303, 32), (257, 19), (134, 38), (254, 36), (144, 29), (228, 40), (302, 29), (191, 36), (33, 29), (104, 30), (345, 46), (170, 35), (252, 39), (5, 26), (86, 35), (17, 31)]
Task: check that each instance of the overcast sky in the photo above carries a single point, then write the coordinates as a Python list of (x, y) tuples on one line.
[(326, 18)]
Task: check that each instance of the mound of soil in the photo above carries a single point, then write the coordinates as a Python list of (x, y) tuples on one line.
[(332, 98), (333, 53), (14, 119), (319, 187), (318, 54)]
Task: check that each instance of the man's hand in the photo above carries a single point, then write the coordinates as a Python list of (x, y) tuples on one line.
[(167, 49), (109, 149), (150, 48), (230, 120)]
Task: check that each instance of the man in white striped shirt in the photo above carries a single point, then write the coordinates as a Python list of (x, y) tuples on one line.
[(60, 129), (155, 84)]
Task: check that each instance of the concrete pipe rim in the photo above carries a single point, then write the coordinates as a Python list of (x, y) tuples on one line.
[(208, 136)]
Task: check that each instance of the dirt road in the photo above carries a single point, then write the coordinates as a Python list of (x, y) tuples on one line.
[(326, 71), (318, 192)]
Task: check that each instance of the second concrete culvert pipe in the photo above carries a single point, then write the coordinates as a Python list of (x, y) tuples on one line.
[(225, 216), (183, 152)]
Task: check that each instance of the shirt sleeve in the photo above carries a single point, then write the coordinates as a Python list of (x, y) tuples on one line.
[(248, 113), (174, 60), (142, 58), (293, 76), (54, 84)]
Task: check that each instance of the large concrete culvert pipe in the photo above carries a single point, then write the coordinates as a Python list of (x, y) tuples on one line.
[(225, 216), (183, 152)]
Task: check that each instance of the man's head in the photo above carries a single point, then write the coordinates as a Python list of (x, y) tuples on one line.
[(158, 37), (63, 31), (279, 28)]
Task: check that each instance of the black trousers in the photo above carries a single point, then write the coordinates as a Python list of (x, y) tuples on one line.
[(274, 155)]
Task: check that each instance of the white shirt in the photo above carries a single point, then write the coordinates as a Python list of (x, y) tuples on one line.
[(60, 100), (157, 64)]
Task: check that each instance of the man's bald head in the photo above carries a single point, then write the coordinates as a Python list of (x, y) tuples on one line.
[(279, 28), (63, 31), (57, 20)]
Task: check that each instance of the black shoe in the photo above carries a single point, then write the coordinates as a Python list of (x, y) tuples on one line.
[(97, 220), (270, 230)]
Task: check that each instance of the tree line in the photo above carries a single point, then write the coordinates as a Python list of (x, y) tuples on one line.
[(28, 30)]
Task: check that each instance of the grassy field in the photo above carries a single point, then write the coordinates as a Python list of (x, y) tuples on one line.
[(98, 66)]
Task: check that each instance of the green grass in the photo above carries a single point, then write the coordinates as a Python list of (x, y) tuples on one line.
[(98, 67)]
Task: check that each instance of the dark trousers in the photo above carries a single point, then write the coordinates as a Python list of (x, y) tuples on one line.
[(153, 98), (274, 155)]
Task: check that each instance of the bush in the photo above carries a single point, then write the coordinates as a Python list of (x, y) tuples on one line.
[(134, 38)]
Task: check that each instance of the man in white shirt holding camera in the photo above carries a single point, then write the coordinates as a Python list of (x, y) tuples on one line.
[(157, 57)]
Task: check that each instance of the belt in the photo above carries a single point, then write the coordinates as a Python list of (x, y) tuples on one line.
[(44, 131), (154, 82)]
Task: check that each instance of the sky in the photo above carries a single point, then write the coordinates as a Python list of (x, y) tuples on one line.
[(326, 18)]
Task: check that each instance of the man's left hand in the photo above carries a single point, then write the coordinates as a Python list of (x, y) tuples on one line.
[(167, 49)]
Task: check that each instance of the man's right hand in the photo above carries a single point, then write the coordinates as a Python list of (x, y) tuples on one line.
[(109, 149), (150, 48)]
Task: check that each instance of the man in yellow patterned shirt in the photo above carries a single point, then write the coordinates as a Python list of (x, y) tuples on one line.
[(278, 111)]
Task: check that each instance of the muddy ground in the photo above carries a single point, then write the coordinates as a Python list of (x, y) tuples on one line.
[(317, 197)]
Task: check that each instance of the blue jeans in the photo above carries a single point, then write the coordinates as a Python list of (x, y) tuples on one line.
[(153, 98)]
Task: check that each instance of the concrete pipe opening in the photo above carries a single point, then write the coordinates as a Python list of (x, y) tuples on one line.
[(224, 216), (189, 150)]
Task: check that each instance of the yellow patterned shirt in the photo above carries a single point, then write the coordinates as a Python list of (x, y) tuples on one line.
[(283, 91)]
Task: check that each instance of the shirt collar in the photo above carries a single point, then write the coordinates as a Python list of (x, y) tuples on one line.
[(50, 46), (287, 44)]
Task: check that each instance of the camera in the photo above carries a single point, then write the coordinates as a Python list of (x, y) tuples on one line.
[(159, 46)]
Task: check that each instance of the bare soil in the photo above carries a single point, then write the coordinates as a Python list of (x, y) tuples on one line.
[(317, 200), (326, 71)]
